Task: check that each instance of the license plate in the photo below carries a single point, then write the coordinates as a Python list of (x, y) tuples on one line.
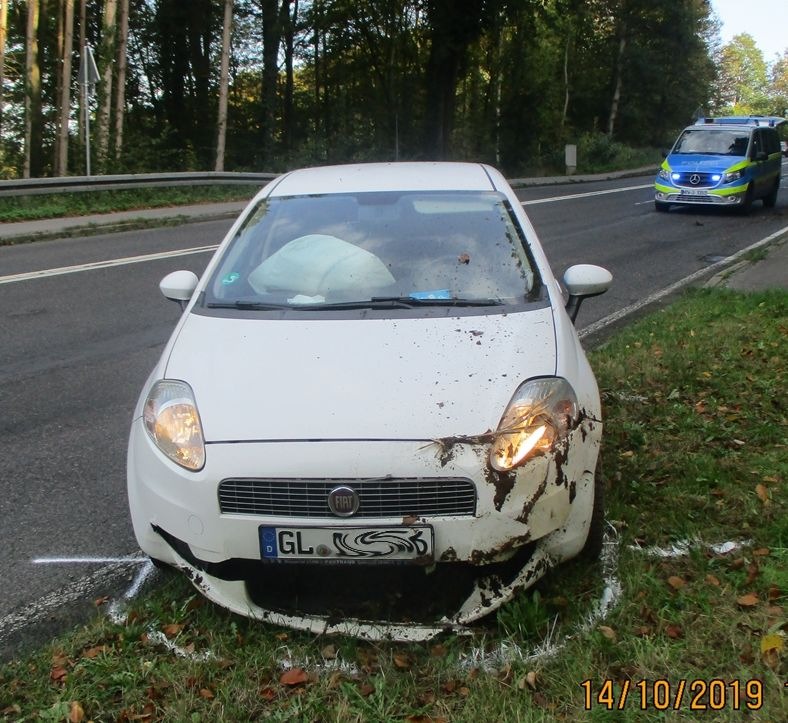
[(693, 192), (347, 544)]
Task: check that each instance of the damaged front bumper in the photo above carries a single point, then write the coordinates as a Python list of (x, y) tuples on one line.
[(524, 523)]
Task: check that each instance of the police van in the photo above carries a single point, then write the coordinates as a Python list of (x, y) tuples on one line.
[(729, 161)]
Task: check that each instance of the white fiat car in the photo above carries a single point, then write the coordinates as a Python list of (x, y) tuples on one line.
[(374, 416)]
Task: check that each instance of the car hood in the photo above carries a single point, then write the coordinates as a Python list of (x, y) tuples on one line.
[(699, 163), (410, 378)]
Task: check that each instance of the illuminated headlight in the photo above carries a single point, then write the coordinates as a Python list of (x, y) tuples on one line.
[(541, 413), (663, 174), (675, 176), (734, 176), (173, 423), (716, 177)]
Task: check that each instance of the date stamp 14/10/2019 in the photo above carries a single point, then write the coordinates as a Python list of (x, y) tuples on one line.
[(661, 694)]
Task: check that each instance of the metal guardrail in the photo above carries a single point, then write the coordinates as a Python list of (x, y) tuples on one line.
[(74, 184)]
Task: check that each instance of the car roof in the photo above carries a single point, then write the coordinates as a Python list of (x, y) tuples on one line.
[(396, 176), (737, 121)]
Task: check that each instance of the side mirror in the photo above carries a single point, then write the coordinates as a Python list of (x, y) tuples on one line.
[(583, 281), (179, 286), (761, 156)]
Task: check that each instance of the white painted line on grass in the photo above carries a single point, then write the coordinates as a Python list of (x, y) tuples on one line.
[(588, 194), (43, 273), (662, 293)]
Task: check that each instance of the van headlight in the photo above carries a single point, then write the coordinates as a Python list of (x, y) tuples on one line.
[(173, 423), (664, 174), (541, 413), (732, 176)]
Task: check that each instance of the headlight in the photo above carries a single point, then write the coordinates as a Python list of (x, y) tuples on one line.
[(541, 413), (663, 174), (173, 423), (734, 176)]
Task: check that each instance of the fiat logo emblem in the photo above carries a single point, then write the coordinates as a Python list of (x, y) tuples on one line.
[(343, 501), (694, 179)]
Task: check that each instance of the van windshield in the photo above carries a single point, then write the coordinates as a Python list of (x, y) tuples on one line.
[(713, 142)]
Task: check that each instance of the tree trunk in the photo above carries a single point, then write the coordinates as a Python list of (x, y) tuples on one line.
[(272, 35), (120, 87), (288, 120), (61, 161), (59, 42), (224, 81), (622, 44), (3, 34), (32, 90), (107, 55), (82, 95)]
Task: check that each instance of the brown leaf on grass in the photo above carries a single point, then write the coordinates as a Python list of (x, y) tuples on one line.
[(58, 675), (674, 631), (676, 582), (528, 680), (75, 713), (713, 580), (329, 652), (464, 691), (334, 680), (172, 629), (294, 676), (608, 632), (752, 573), (426, 698), (746, 656), (763, 493), (449, 686), (99, 601), (206, 693), (426, 719), (737, 564), (772, 641), (761, 552), (750, 600), (94, 651), (771, 479), (13, 709), (366, 689), (774, 593), (268, 693), (402, 661), (644, 631), (281, 636), (438, 651)]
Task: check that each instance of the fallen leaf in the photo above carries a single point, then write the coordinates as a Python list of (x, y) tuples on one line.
[(762, 492), (771, 478), (608, 632), (206, 693), (402, 661), (268, 693), (464, 691), (761, 552), (752, 573), (75, 713), (101, 600), (773, 641), (438, 651), (172, 629), (530, 678), (748, 601), (713, 580), (329, 652), (94, 651), (674, 631), (294, 676), (58, 675), (366, 689), (746, 656), (774, 593), (281, 636), (676, 582)]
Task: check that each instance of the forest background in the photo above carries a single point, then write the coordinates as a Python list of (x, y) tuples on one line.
[(267, 85)]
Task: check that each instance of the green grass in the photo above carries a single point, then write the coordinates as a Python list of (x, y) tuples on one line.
[(695, 449), (26, 208)]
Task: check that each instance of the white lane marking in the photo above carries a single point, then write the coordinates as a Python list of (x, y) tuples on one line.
[(86, 560), (588, 194), (26, 276), (656, 296)]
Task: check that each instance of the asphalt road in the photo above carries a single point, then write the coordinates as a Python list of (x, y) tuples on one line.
[(75, 349)]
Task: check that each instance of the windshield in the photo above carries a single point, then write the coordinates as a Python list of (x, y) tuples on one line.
[(714, 142), (401, 249)]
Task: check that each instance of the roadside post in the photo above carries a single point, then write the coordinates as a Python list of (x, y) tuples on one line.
[(570, 155), (88, 77)]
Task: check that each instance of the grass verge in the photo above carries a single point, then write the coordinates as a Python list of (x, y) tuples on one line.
[(695, 452), (58, 205)]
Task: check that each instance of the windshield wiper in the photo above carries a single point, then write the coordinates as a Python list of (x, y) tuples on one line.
[(376, 302)]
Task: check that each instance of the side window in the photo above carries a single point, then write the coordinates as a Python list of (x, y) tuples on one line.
[(757, 143), (772, 142)]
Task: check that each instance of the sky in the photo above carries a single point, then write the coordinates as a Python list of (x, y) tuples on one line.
[(765, 20)]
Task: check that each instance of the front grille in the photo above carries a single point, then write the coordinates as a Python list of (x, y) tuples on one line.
[(422, 497), (704, 180)]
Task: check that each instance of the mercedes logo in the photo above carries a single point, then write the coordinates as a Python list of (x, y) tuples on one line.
[(343, 501), (694, 179)]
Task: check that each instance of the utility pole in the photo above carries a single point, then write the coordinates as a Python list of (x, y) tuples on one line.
[(88, 77)]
